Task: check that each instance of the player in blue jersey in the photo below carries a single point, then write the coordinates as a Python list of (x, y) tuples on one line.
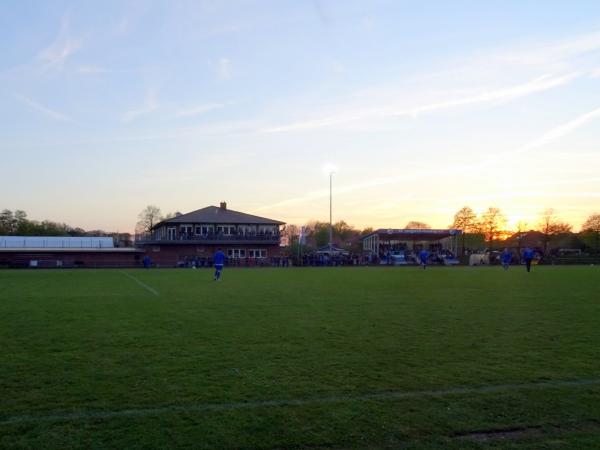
[(506, 258), (219, 262), (423, 256), (528, 257)]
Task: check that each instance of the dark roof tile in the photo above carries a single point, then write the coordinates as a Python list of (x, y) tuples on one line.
[(214, 214)]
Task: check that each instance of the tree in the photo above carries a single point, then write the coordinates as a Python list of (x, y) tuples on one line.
[(416, 225), (344, 232), (320, 233), (7, 222), (492, 225), (591, 227), (344, 235), (290, 233), (366, 231), (465, 220), (521, 229), (550, 226), (149, 217)]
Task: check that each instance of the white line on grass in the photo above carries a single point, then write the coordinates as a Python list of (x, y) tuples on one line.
[(141, 283), (211, 407)]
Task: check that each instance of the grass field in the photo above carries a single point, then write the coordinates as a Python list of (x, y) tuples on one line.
[(340, 358)]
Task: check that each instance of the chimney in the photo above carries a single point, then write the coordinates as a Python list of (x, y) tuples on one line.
[(223, 205)]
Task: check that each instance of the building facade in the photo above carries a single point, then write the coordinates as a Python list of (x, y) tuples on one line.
[(193, 238), (65, 252), (408, 242)]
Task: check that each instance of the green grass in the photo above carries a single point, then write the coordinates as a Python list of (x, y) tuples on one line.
[(91, 341)]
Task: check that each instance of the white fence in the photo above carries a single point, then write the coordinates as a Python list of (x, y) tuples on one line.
[(19, 242)]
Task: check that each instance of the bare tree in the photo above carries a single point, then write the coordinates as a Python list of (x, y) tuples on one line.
[(521, 229), (290, 233), (465, 220), (149, 217), (492, 225), (416, 225), (550, 225), (592, 227)]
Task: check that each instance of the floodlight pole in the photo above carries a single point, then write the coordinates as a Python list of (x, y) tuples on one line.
[(331, 210)]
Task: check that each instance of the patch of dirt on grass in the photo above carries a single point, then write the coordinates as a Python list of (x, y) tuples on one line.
[(515, 433)]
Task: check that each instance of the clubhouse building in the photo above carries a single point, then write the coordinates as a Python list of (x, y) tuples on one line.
[(194, 237)]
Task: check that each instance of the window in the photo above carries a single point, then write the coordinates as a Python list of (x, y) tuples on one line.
[(226, 230), (257, 253), (236, 253), (171, 231), (198, 230)]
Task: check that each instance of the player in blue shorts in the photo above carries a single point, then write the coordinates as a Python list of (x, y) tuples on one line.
[(219, 262), (506, 258), (423, 256)]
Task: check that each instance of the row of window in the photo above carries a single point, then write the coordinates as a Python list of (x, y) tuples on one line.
[(235, 252), (241, 253), (203, 230)]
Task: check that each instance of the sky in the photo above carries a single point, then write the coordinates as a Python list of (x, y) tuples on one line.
[(421, 108)]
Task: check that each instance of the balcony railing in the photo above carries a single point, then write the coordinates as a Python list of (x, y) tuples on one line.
[(146, 238)]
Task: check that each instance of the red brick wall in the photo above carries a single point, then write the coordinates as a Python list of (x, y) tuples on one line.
[(72, 259), (169, 254)]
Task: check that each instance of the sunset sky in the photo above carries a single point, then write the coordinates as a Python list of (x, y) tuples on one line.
[(423, 107)]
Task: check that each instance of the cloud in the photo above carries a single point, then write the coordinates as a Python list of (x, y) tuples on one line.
[(563, 61), (539, 84), (492, 96), (199, 109), (150, 105), (224, 68), (547, 138), (55, 55), (36, 106), (551, 136)]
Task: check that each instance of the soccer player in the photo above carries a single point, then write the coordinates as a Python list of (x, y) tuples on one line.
[(506, 258), (528, 257), (219, 262), (423, 255)]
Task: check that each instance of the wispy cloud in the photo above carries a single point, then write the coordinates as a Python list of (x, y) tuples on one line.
[(493, 96), (550, 136), (150, 105), (547, 138), (199, 109), (55, 55), (36, 106)]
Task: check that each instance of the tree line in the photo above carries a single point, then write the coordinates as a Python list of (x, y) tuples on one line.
[(486, 230), (479, 231), (491, 225)]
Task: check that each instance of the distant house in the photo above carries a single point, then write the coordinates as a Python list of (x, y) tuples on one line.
[(194, 237)]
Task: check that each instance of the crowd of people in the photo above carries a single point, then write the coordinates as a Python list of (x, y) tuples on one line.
[(324, 259)]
